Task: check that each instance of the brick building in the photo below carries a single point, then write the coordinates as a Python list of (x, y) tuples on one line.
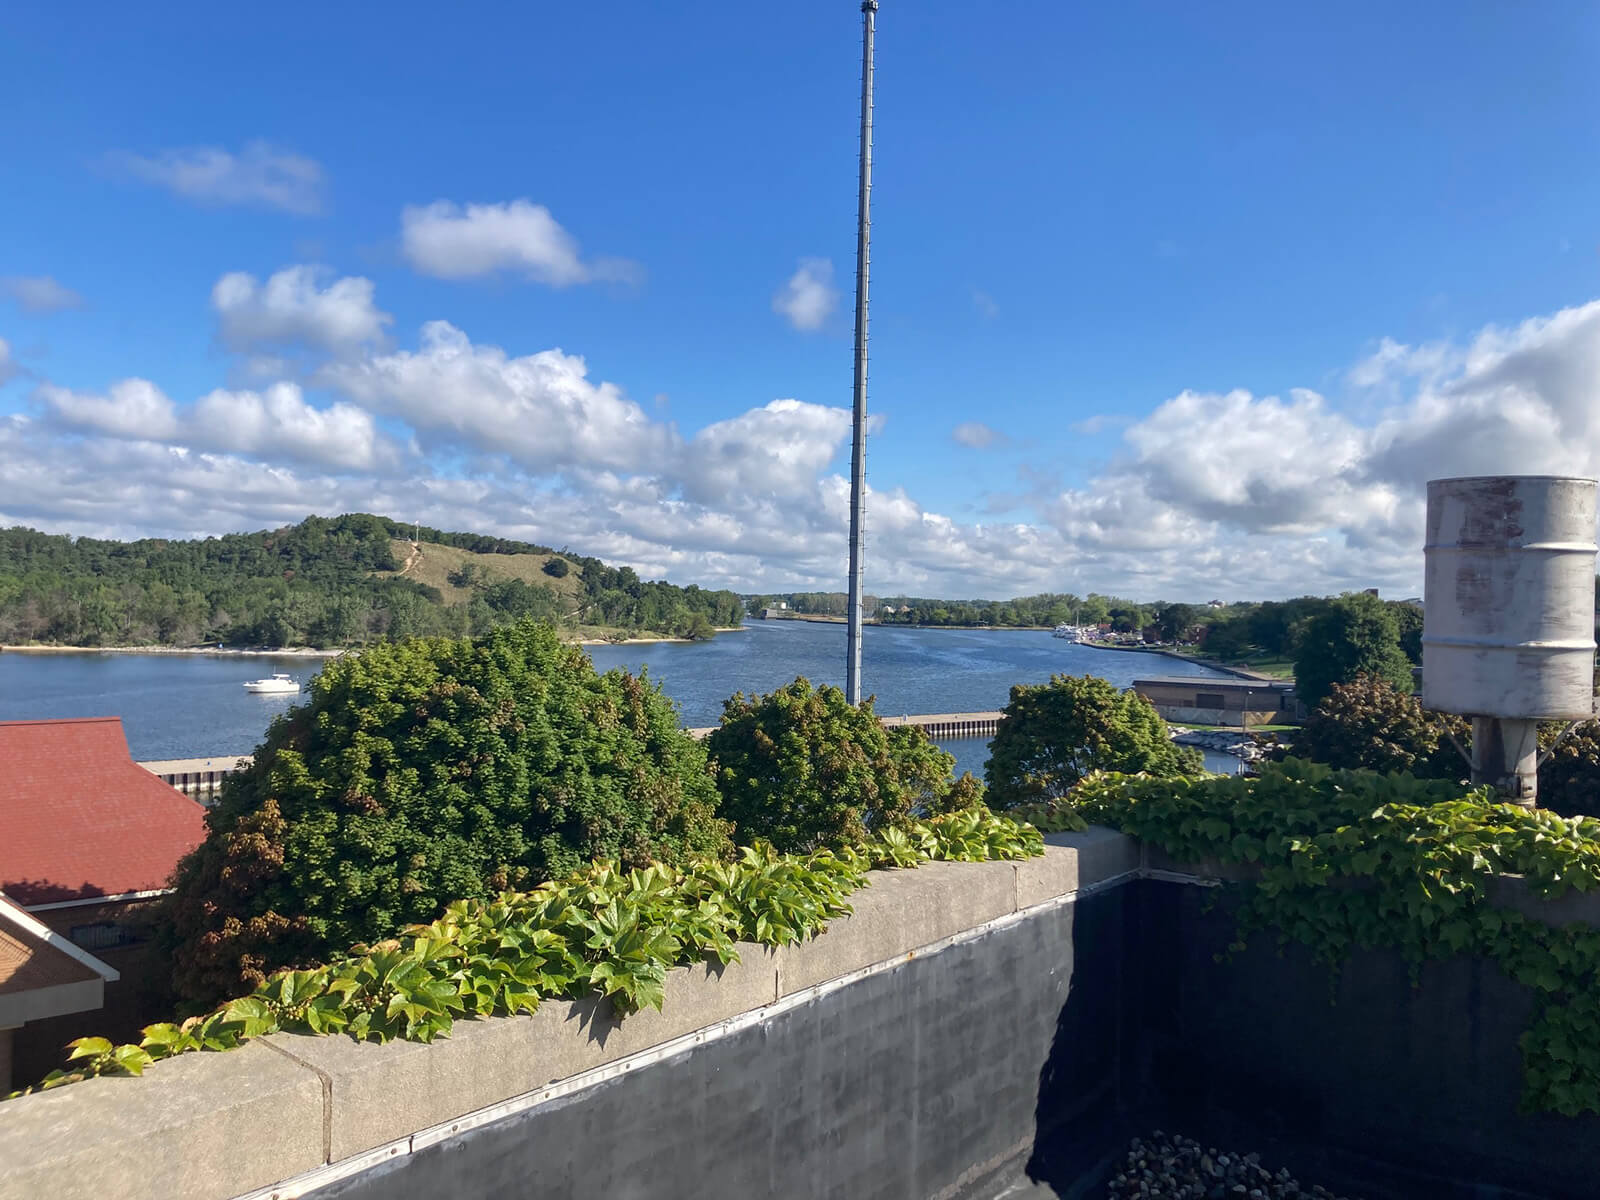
[(88, 843)]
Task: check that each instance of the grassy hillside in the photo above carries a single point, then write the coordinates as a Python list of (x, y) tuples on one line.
[(434, 565)]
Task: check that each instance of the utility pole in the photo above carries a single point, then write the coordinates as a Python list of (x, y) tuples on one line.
[(858, 453)]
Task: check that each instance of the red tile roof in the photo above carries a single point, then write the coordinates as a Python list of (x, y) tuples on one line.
[(78, 817)]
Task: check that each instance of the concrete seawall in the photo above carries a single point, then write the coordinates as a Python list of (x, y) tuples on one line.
[(970, 1027)]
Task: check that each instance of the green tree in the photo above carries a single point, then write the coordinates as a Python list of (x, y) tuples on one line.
[(1369, 723), (1408, 620), (426, 771), (1053, 734), (557, 568), (1227, 640), (1569, 779), (1357, 633), (802, 767), (1176, 620)]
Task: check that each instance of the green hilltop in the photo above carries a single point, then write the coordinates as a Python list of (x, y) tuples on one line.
[(326, 582)]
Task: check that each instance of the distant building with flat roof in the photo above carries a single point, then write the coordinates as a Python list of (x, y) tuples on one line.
[(1200, 700)]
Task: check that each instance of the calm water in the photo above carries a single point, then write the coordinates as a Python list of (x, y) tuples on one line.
[(192, 706)]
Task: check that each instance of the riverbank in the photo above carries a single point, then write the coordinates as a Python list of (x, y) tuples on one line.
[(306, 651), (648, 639), (214, 651), (1214, 664)]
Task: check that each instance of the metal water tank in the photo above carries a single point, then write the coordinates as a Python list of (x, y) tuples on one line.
[(1508, 606)]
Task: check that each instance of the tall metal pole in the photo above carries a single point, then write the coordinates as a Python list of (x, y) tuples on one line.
[(858, 453)]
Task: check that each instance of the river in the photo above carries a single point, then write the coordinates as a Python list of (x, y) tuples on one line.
[(192, 705)]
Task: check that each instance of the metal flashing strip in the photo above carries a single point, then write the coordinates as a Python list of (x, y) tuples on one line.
[(86, 901), (320, 1177)]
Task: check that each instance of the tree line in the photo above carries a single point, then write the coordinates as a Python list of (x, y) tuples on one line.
[(318, 583)]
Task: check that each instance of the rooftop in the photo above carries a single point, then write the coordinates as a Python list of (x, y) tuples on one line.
[(81, 819), (1213, 684)]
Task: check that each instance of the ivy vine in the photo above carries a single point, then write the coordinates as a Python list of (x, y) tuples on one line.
[(600, 931), (1421, 855)]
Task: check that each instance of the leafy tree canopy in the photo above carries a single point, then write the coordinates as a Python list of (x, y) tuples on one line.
[(1053, 734), (427, 771), (1369, 723), (804, 768), (1355, 634), (323, 582)]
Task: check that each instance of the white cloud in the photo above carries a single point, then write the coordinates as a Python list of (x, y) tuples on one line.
[(541, 409), (133, 408), (977, 436), (778, 450), (40, 293), (260, 175), (297, 305), (278, 423), (9, 369), (809, 297), (451, 241), (1208, 494)]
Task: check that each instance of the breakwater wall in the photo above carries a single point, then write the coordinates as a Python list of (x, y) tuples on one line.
[(970, 1028)]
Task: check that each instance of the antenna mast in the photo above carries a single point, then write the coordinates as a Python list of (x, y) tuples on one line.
[(858, 455)]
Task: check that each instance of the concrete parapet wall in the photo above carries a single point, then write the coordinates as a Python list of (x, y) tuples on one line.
[(969, 1023), (205, 1126)]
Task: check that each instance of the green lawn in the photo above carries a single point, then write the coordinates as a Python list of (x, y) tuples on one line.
[(1265, 664)]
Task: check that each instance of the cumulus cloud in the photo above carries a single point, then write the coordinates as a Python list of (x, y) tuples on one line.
[(133, 408), (40, 293), (809, 297), (297, 305), (541, 409), (453, 241), (1207, 493), (278, 423), (977, 436), (777, 450), (259, 175)]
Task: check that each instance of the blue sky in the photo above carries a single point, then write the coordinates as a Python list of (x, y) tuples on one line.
[(1167, 300)]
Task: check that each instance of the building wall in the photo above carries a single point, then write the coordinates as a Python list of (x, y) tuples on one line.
[(142, 994), (1183, 714)]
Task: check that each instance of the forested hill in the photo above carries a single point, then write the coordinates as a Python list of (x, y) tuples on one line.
[(328, 581)]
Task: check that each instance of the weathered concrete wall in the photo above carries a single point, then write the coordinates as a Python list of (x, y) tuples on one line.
[(916, 1082), (218, 1125), (969, 1025)]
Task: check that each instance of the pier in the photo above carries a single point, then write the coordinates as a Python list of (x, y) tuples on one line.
[(941, 727), (197, 778), (200, 778)]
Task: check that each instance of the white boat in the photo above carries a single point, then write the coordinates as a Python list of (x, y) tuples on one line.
[(1072, 633), (277, 684)]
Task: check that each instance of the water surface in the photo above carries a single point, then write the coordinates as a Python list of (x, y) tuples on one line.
[(193, 706)]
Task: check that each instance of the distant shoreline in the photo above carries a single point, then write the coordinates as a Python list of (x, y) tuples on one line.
[(300, 651), (223, 652)]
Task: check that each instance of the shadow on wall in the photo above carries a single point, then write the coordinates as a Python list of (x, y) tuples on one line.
[(1081, 1120)]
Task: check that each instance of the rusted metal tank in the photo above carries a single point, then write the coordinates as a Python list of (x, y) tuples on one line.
[(1508, 606)]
